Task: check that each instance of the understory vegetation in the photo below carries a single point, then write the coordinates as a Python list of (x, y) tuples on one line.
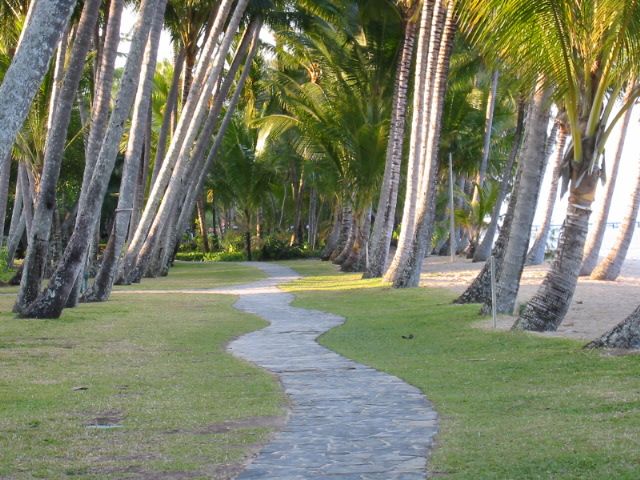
[(511, 405)]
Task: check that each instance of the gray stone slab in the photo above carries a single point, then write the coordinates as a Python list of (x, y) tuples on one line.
[(347, 421)]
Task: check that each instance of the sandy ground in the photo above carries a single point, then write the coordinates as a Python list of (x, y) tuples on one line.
[(597, 306)]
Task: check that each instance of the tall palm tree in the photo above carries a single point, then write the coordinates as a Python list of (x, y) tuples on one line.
[(51, 302), (192, 114), (609, 268), (386, 211), (35, 260), (537, 250), (594, 241), (48, 19), (409, 266), (587, 52)]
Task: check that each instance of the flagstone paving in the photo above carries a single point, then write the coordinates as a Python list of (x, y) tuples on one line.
[(346, 420)]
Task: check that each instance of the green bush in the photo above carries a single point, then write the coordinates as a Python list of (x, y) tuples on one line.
[(274, 248), (211, 257)]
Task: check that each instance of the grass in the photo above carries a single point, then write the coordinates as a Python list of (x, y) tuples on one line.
[(194, 275), (154, 366), (511, 405)]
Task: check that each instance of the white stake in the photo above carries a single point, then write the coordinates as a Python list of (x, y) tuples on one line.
[(492, 265), (452, 221)]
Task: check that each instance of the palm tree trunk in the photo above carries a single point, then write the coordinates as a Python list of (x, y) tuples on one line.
[(101, 290), (536, 252), (332, 241), (408, 272), (386, 211), (483, 250), (357, 259), (48, 19), (533, 159), (52, 301), (346, 220), (354, 231), (479, 291), (16, 225), (27, 197), (103, 88), (425, 31), (250, 43), (610, 267), (187, 163), (5, 175), (193, 111), (143, 175), (202, 223), (484, 162), (172, 101), (36, 258), (545, 311), (594, 241), (624, 335)]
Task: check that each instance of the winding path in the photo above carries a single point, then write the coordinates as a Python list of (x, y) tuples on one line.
[(347, 421)]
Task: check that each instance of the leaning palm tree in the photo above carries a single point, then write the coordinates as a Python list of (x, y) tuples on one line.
[(609, 268), (594, 241), (385, 213), (587, 51), (52, 301), (48, 19)]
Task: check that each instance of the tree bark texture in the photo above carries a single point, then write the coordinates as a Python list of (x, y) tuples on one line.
[(546, 310), (5, 176), (594, 240), (533, 159), (408, 272), (429, 9), (193, 111), (479, 291), (48, 20), (386, 211), (483, 250), (624, 335), (188, 162), (609, 268), (36, 259), (537, 250), (101, 290), (52, 301)]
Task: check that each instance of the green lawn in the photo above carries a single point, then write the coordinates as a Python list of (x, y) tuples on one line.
[(199, 275), (512, 406), (154, 365)]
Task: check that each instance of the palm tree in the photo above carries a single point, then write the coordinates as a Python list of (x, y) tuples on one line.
[(48, 19), (537, 250), (594, 241), (101, 289), (587, 54), (409, 265), (176, 178), (609, 268), (429, 37), (52, 301), (386, 211), (192, 114), (624, 335), (532, 165), (36, 257)]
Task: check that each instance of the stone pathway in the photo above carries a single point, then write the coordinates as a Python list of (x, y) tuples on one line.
[(347, 421)]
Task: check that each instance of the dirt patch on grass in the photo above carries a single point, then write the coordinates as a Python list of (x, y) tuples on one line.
[(251, 422)]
